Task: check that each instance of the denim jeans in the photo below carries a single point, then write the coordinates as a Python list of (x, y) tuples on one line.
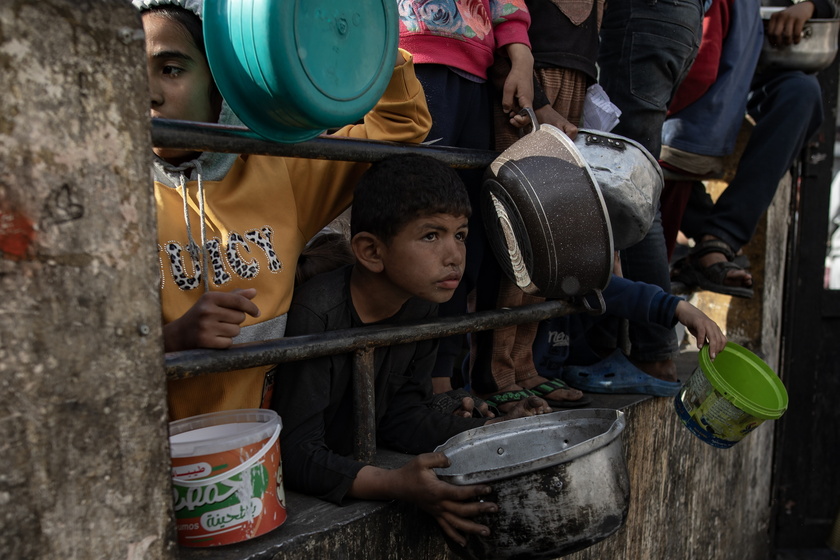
[(647, 47), (788, 110), (710, 125)]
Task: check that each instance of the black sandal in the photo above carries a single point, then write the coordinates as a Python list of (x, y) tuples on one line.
[(712, 277)]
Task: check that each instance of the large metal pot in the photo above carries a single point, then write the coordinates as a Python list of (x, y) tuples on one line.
[(815, 52), (560, 481), (545, 217), (630, 180)]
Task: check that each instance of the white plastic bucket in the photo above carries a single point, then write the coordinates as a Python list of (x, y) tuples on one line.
[(226, 476)]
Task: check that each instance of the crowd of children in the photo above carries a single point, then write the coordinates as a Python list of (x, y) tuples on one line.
[(245, 256)]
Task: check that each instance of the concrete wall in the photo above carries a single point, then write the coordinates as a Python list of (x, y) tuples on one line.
[(82, 410)]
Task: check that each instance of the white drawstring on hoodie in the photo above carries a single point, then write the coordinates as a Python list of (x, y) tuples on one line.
[(182, 188)]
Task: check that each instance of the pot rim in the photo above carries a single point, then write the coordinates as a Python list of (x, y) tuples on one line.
[(544, 422)]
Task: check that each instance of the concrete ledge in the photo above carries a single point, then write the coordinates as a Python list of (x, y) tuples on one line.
[(688, 501)]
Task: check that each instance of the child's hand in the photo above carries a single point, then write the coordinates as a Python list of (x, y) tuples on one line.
[(452, 506), (703, 328), (212, 322), (518, 91), (468, 406), (548, 115), (785, 27), (531, 406)]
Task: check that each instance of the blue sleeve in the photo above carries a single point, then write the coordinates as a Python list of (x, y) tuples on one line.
[(640, 302)]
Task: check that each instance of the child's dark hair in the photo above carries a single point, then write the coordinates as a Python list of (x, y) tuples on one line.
[(399, 189), (325, 252)]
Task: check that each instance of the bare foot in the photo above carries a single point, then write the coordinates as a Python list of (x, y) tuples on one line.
[(665, 370), (567, 394), (738, 278)]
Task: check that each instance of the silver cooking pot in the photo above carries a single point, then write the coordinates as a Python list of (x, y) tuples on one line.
[(560, 481), (814, 52), (545, 217), (630, 180)]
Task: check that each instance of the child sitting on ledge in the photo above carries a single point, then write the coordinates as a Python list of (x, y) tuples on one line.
[(408, 227)]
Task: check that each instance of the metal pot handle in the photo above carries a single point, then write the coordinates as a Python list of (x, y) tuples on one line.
[(529, 112), (602, 307)]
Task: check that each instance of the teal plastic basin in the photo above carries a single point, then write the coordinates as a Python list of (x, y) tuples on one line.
[(291, 69)]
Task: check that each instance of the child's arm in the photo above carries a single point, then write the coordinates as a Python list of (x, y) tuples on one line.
[(518, 91), (323, 188), (212, 322), (416, 482), (401, 114), (703, 328)]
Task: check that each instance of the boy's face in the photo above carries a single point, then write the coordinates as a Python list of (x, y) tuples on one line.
[(179, 77), (426, 257)]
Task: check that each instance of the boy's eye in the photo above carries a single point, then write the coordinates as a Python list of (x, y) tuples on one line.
[(461, 236), (431, 236)]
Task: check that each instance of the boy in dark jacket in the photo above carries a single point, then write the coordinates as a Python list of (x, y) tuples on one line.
[(409, 227)]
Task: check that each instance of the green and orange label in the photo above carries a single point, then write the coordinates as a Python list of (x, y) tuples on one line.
[(245, 505)]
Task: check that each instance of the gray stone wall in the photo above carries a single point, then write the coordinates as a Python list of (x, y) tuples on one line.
[(82, 394)]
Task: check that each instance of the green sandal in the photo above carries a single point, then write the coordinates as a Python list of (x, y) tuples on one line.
[(552, 385), (508, 397)]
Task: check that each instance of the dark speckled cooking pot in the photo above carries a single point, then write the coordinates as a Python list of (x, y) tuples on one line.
[(545, 217)]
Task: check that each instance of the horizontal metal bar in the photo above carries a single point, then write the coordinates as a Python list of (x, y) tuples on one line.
[(190, 363), (207, 137)]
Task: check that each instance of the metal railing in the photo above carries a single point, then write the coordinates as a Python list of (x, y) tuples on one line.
[(361, 341)]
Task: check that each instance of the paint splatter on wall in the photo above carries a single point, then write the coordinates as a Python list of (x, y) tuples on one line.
[(16, 234)]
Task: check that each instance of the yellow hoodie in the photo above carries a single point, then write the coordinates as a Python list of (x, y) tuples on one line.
[(257, 217)]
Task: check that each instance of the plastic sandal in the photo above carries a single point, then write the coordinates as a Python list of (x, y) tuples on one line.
[(508, 397), (713, 277), (617, 374), (551, 385)]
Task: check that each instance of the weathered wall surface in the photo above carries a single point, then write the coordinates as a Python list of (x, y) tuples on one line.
[(688, 501), (82, 408)]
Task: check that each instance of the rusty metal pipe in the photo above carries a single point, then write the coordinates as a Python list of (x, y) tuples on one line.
[(207, 137), (189, 363)]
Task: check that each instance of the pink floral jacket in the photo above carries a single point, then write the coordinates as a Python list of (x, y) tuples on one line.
[(461, 33)]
